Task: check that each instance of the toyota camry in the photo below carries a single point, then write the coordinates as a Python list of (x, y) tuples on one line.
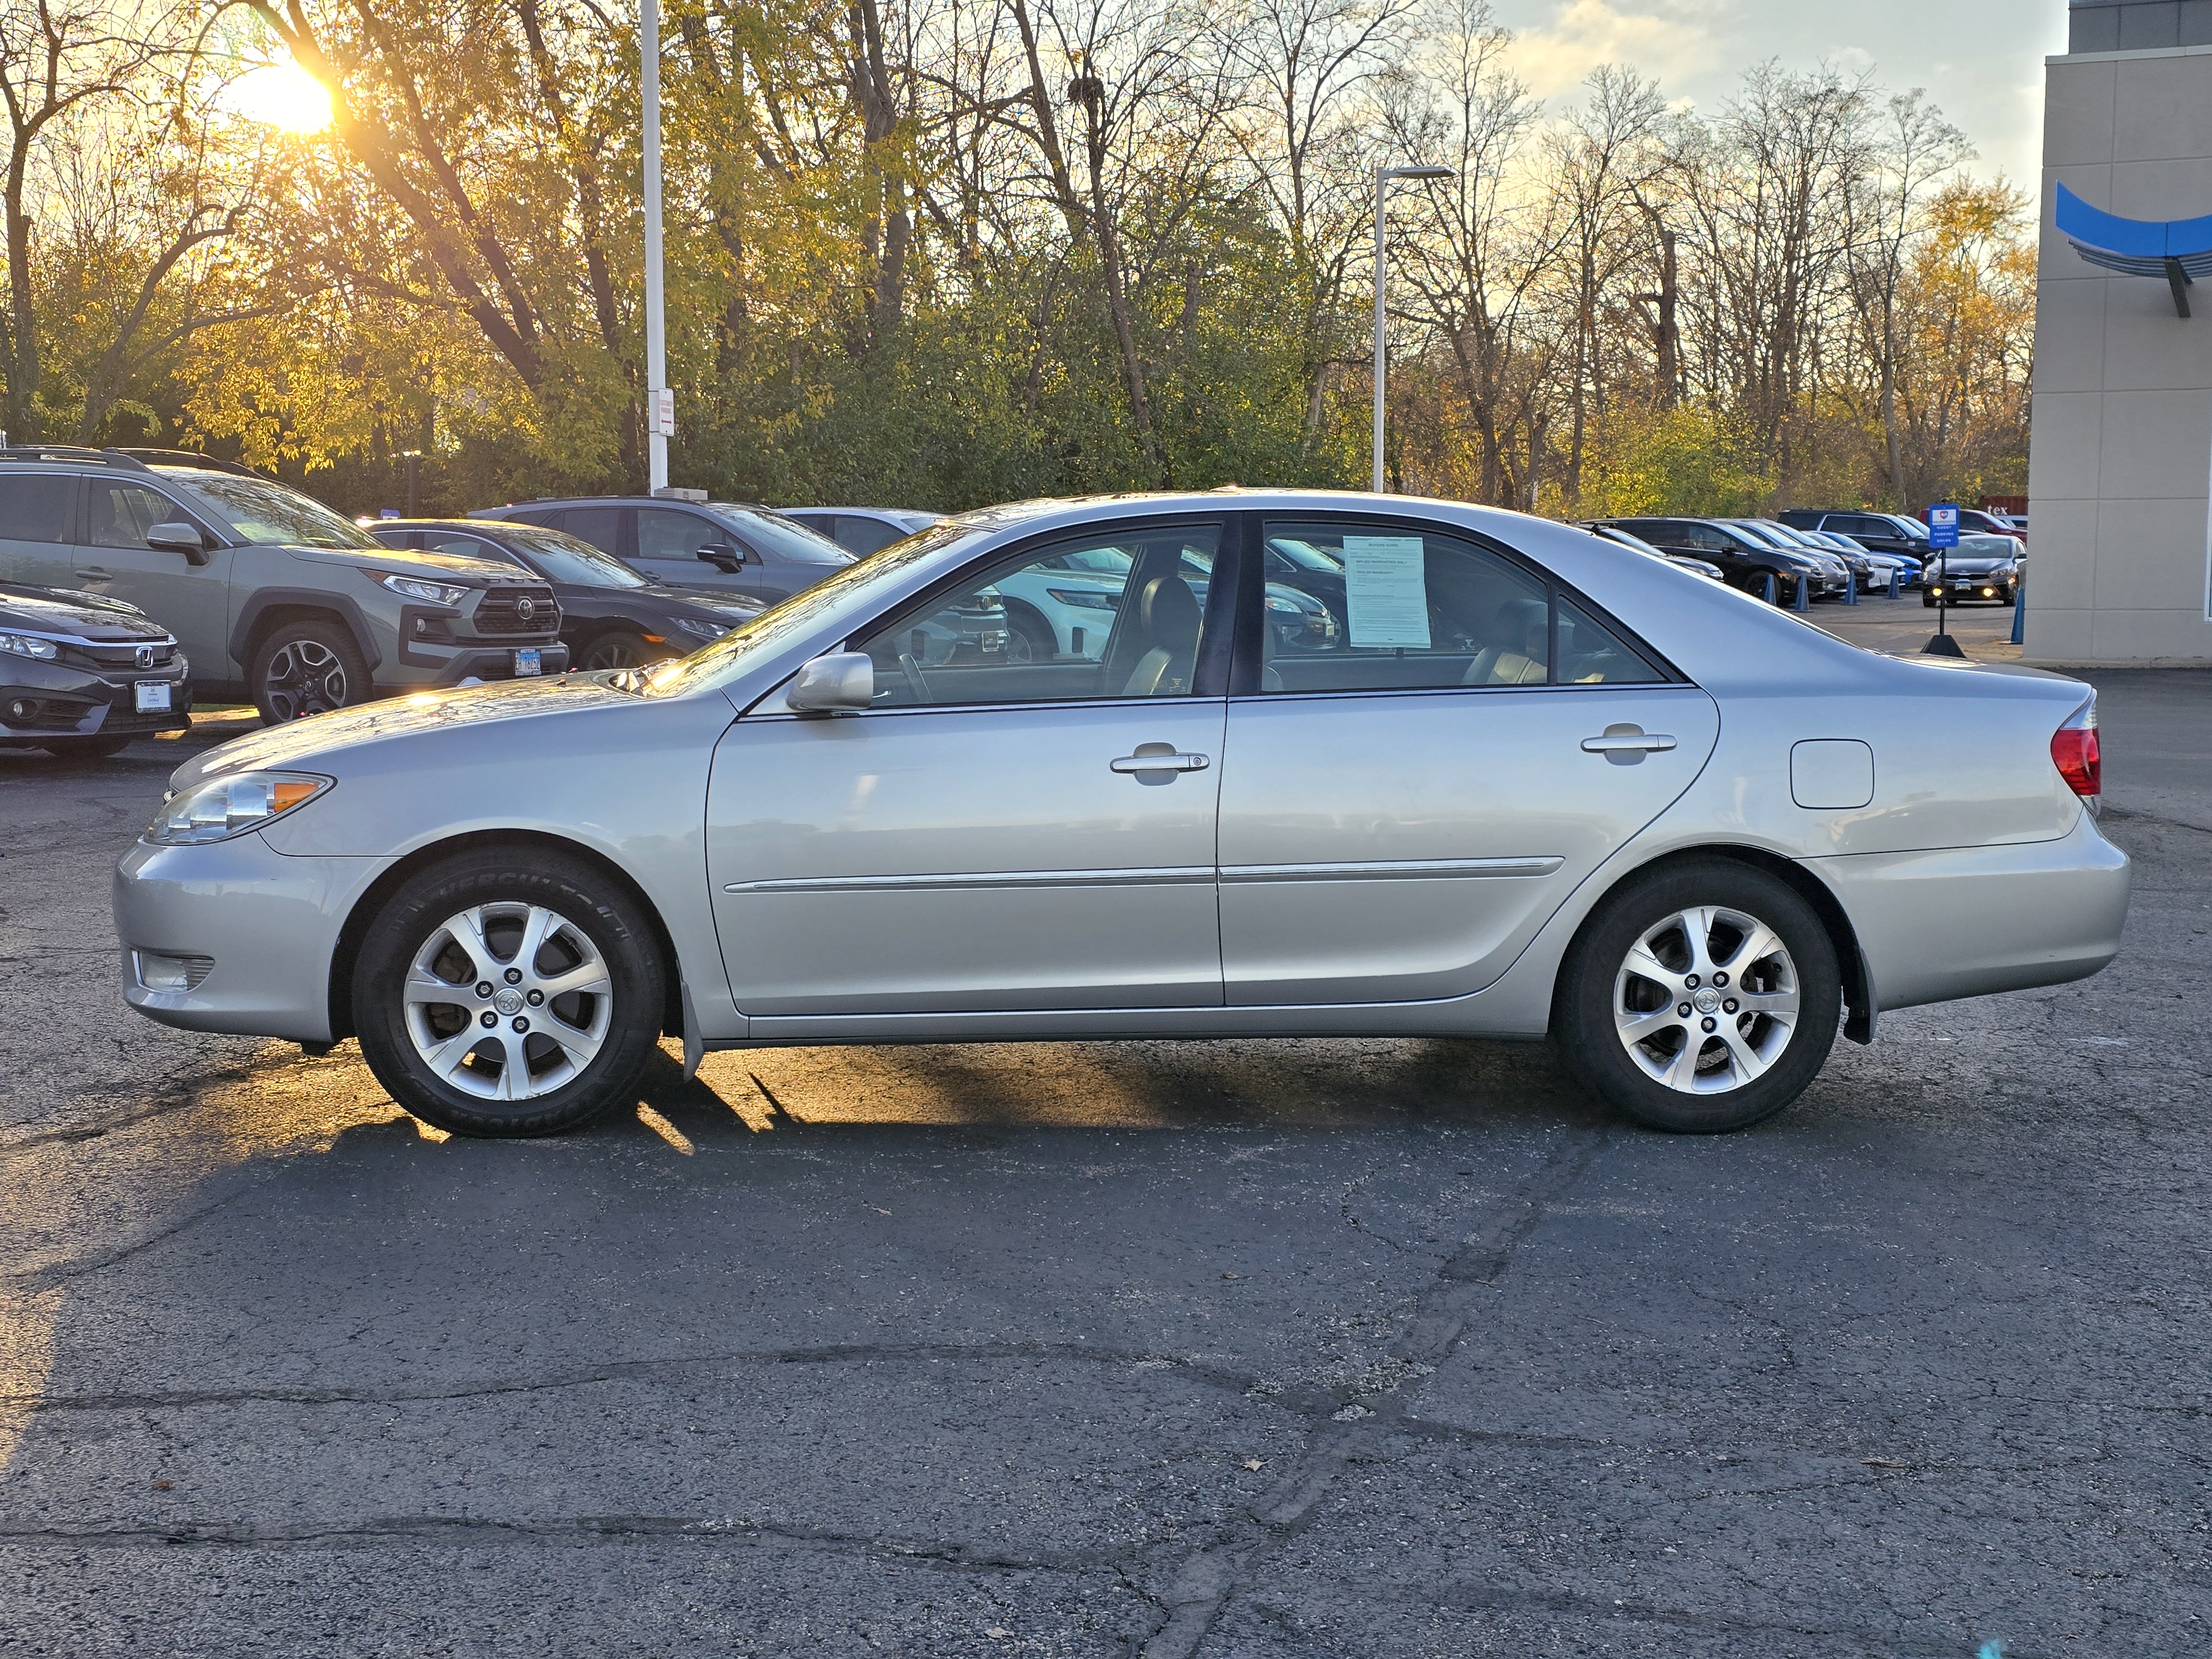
[(1538, 782)]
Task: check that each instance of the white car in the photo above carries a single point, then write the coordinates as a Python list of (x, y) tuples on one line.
[(1539, 783)]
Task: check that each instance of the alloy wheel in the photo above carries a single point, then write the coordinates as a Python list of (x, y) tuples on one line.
[(304, 678), (1706, 1000), (508, 1001)]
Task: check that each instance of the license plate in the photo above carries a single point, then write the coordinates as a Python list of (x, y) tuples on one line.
[(151, 696), (527, 662)]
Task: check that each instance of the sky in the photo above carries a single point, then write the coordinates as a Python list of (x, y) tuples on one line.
[(1981, 61)]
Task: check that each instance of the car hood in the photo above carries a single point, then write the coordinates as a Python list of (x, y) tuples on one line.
[(62, 610), (307, 744), (430, 566)]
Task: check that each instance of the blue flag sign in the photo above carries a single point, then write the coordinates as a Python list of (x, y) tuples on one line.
[(1943, 526)]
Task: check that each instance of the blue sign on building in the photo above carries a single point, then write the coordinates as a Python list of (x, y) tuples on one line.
[(1943, 526)]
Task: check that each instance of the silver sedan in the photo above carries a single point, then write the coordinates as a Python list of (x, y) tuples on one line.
[(1535, 782)]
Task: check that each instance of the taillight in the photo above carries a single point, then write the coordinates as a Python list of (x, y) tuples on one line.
[(2074, 750)]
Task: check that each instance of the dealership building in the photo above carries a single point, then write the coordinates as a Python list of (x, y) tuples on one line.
[(2120, 456)]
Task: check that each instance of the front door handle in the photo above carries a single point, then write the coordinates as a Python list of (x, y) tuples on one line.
[(95, 573), (1160, 757), (1627, 745)]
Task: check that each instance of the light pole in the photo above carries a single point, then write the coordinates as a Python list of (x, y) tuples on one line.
[(659, 405), (1383, 177)]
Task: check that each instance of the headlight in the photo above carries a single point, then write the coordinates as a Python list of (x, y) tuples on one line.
[(414, 587), (703, 630), (24, 645), (1087, 599), (220, 808)]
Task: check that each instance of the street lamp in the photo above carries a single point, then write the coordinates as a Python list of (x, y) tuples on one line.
[(660, 405), (1383, 177)]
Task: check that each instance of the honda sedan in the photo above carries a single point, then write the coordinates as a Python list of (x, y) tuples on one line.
[(1538, 783)]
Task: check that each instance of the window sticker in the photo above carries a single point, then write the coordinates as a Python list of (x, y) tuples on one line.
[(1386, 590)]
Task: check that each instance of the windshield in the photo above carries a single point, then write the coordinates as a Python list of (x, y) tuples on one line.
[(563, 558), (1614, 532), (1984, 545), (1305, 555), (788, 536), (1912, 527), (1763, 532), (768, 633), (263, 511)]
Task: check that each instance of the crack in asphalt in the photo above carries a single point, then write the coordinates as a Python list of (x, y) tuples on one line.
[(1294, 1402), (1201, 1588), (575, 1529)]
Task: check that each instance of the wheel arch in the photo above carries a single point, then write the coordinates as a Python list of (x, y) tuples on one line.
[(372, 898), (1021, 607), (1851, 959), (271, 607)]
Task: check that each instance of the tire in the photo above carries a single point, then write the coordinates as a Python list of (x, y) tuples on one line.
[(85, 749), (620, 649), (1727, 1085), (1033, 633), (306, 667), (581, 1049)]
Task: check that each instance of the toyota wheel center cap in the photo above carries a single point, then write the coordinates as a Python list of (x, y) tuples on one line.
[(508, 1001)]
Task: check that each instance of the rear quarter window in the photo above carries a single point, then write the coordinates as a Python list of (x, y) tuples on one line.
[(35, 507)]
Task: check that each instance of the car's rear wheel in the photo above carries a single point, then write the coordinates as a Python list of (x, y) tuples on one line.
[(1032, 638), (494, 1001), (1701, 997), (306, 667), (85, 749), (619, 650)]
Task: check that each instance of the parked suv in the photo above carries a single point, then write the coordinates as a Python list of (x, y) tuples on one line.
[(275, 599), (1878, 533), (725, 546)]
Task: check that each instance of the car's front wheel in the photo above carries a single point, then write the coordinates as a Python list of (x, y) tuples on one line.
[(494, 999), (1700, 997), (306, 667), (620, 649)]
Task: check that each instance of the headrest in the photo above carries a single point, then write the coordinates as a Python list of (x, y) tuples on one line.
[(1169, 612)]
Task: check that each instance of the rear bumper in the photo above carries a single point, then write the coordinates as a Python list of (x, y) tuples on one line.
[(268, 923), (1966, 921)]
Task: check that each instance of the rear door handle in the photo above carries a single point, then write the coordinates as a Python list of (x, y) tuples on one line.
[(93, 572), (1161, 759), (1625, 745)]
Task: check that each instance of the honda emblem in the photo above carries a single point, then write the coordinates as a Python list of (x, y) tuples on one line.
[(145, 656)]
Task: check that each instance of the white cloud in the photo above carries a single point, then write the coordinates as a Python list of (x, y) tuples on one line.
[(1665, 38)]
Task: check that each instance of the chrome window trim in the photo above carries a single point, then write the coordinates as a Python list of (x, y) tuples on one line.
[(1464, 690), (981, 707), (1169, 875)]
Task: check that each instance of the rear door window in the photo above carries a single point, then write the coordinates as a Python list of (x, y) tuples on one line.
[(599, 525), (35, 507)]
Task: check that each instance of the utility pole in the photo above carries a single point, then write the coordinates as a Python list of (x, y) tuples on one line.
[(659, 402), (1383, 177)]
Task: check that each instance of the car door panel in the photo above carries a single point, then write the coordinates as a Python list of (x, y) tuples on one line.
[(192, 601), (1381, 847), (967, 859)]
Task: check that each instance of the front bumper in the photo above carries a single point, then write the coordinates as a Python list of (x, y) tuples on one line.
[(263, 925), (1964, 921), (41, 700), (424, 664)]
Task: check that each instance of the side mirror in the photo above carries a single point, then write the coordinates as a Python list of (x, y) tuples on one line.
[(728, 559), (178, 537), (842, 682)]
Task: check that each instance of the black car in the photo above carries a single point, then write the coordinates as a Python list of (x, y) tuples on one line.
[(1982, 569), (80, 676), (611, 616), (1746, 561), (726, 547)]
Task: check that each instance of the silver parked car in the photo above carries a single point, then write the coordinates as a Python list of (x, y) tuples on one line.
[(1538, 782)]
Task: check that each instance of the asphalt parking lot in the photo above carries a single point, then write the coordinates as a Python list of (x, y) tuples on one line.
[(1321, 1348)]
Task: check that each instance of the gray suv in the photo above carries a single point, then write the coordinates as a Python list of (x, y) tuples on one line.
[(277, 600)]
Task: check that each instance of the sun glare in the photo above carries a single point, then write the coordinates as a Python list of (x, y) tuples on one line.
[(281, 95)]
